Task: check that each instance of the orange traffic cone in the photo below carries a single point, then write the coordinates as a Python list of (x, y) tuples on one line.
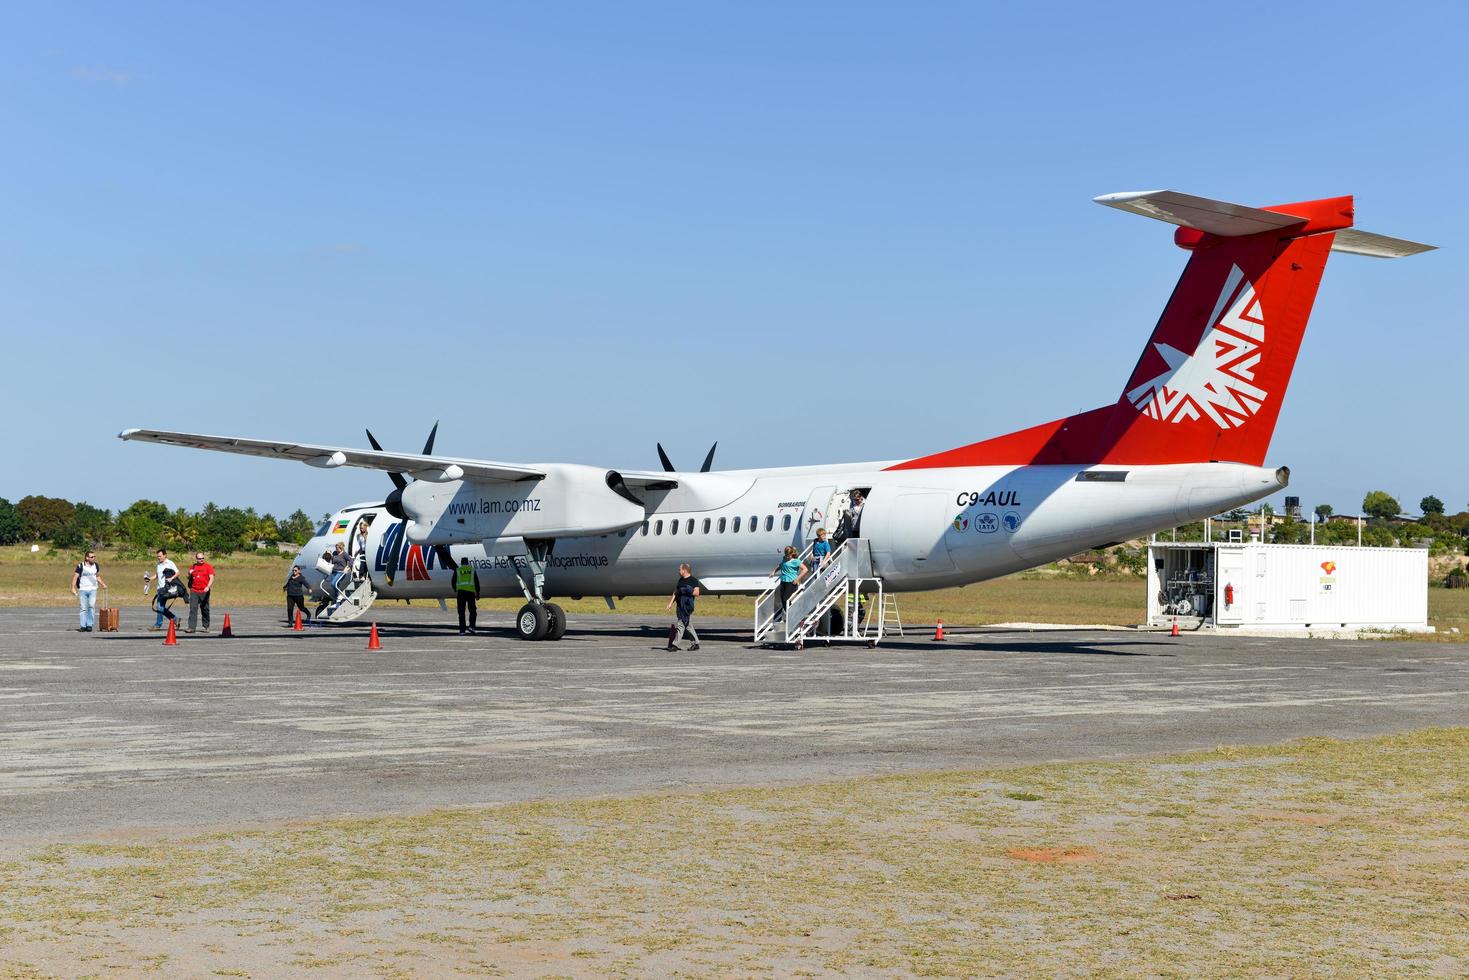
[(373, 643), (1175, 627), (172, 639), (225, 630), (938, 633), (298, 627)]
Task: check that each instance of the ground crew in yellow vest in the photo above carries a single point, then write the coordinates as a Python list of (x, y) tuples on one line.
[(466, 592)]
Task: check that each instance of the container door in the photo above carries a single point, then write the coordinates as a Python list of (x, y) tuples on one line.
[(1231, 588)]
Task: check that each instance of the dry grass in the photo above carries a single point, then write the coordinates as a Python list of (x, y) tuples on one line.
[(250, 580), (1317, 857)]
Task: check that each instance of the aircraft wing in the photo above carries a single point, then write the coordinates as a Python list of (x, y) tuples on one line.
[(330, 457)]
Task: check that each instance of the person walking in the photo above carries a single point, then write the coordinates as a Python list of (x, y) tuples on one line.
[(84, 581), (164, 567), (341, 571), (201, 581), (466, 594), (791, 570), (685, 591), (170, 588), (850, 525), (820, 549), (296, 589)]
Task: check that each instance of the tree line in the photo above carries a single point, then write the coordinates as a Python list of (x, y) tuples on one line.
[(1384, 526), (146, 525)]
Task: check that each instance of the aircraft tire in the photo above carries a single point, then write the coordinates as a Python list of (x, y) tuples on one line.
[(556, 629), (532, 622)]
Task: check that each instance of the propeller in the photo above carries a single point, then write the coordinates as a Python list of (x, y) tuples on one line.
[(668, 466), (394, 506)]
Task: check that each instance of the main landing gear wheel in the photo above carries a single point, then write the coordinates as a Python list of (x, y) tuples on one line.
[(557, 627), (531, 623)]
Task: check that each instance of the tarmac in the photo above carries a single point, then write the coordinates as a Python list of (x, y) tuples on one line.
[(115, 734)]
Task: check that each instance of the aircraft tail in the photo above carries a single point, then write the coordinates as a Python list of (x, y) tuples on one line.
[(1210, 382)]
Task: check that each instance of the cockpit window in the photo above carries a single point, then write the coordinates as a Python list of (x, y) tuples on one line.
[(326, 526)]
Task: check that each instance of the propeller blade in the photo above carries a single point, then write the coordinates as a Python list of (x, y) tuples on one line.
[(397, 478), (428, 447), (667, 463), (709, 460)]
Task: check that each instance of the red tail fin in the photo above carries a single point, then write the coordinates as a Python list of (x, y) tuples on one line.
[(1210, 382)]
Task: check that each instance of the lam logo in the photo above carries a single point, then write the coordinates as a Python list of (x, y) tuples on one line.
[(961, 523), (1329, 567), (417, 570), (1218, 379)]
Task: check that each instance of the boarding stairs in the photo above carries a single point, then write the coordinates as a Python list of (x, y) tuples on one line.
[(356, 598), (842, 601)]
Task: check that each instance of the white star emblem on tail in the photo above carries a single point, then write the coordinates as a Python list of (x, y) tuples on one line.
[(1218, 379)]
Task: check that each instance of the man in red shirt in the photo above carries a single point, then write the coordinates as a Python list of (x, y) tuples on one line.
[(201, 580)]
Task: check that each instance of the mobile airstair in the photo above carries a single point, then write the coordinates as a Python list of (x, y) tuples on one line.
[(356, 598), (841, 601)]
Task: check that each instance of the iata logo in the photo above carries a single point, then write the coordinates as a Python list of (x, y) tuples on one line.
[(1218, 379), (1329, 567)]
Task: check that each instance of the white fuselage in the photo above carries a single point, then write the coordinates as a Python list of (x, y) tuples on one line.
[(927, 528)]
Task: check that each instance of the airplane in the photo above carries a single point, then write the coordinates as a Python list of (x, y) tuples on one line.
[(1185, 439)]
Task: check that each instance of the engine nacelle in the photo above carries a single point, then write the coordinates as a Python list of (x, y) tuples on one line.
[(570, 501)]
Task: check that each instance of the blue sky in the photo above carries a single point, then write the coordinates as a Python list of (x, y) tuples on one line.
[(813, 232)]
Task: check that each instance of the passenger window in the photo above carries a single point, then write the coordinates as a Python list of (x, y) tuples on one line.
[(645, 529), (721, 524), (754, 524), (706, 525), (785, 523), (690, 528), (735, 526), (769, 522), (658, 528), (673, 527)]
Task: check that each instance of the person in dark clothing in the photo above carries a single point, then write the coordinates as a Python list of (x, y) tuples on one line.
[(685, 591), (466, 594), (169, 589), (296, 588)]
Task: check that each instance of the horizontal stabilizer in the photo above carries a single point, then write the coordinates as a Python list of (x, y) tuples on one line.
[(1200, 213), (1359, 242)]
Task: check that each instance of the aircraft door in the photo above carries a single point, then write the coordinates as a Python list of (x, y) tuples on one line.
[(821, 511), (908, 535)]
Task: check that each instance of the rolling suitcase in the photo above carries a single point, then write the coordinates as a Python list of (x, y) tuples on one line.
[(108, 618)]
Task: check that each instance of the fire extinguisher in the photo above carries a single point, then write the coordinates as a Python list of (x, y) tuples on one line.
[(1228, 594)]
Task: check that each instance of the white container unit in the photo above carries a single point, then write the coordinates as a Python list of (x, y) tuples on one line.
[(1287, 586)]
